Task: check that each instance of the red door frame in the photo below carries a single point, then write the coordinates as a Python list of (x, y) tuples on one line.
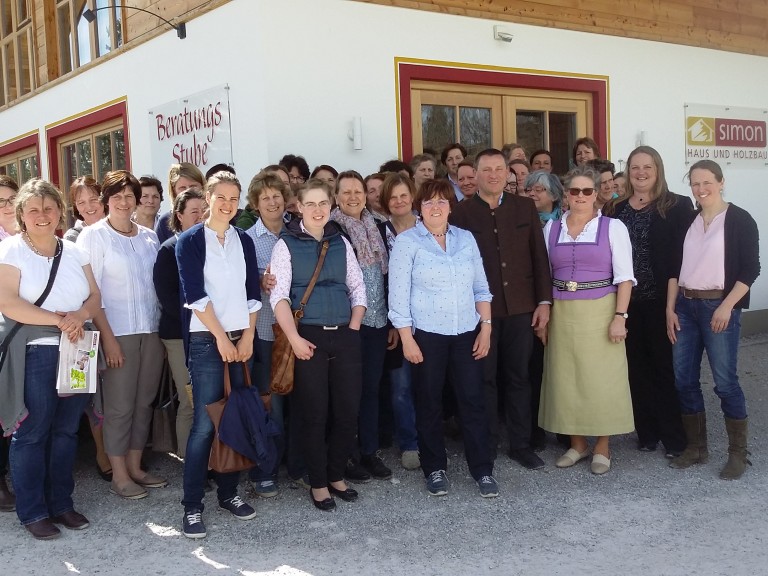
[(409, 71)]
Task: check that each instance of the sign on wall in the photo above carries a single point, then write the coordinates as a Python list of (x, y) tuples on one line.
[(728, 135), (194, 129)]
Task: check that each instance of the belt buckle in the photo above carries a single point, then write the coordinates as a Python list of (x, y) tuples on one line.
[(571, 285), (330, 327), (234, 335)]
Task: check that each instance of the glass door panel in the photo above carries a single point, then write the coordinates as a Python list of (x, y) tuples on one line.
[(531, 130), (562, 136), (475, 129), (438, 126)]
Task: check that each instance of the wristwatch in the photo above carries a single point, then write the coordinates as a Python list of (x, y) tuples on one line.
[(623, 315), (488, 321)]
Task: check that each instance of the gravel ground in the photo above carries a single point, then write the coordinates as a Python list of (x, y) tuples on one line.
[(641, 518)]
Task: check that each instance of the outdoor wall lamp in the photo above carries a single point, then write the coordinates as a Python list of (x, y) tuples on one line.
[(181, 28)]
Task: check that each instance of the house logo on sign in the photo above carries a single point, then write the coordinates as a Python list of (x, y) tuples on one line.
[(700, 131)]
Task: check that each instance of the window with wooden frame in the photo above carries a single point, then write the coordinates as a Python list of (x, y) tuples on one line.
[(21, 165), (17, 50), (80, 41), (487, 106), (92, 152), (481, 117)]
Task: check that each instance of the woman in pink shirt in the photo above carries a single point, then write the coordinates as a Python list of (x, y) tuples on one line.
[(720, 261)]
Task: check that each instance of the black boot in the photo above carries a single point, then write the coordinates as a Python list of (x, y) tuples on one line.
[(7, 500)]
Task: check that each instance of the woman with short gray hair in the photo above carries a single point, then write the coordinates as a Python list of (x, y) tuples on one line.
[(546, 192)]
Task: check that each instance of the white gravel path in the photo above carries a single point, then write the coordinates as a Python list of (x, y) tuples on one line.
[(642, 518)]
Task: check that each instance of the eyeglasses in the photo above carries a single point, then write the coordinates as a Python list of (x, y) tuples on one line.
[(430, 203), (5, 202), (296, 179), (585, 191), (312, 205), (537, 190)]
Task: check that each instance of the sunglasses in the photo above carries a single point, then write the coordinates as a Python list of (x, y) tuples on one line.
[(585, 191)]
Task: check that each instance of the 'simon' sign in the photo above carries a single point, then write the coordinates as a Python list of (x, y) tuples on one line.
[(731, 136)]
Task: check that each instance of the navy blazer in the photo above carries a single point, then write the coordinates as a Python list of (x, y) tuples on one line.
[(190, 256)]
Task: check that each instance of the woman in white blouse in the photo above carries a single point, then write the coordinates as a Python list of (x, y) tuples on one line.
[(44, 425), (122, 254)]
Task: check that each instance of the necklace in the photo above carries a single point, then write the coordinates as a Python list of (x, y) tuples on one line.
[(441, 234), (29, 242), (129, 233)]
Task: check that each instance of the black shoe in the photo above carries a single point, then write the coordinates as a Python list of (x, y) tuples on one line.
[(192, 524), (527, 458), (106, 476), (71, 520), (348, 495), (376, 467), (354, 472), (43, 529), (647, 446), (325, 505)]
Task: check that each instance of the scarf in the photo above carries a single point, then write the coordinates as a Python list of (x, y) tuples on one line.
[(365, 238), (547, 216)]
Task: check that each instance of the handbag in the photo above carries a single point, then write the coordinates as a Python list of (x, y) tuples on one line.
[(164, 417), (224, 458), (11, 327), (283, 358)]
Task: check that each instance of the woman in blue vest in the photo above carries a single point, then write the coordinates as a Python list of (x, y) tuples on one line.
[(328, 371)]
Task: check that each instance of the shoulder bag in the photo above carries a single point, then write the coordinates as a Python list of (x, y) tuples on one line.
[(12, 326), (283, 358)]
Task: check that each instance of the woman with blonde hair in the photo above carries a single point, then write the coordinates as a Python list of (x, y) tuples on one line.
[(47, 289)]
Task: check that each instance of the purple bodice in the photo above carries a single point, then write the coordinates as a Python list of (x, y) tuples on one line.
[(581, 262)]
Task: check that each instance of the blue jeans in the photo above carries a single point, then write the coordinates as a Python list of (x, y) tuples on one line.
[(694, 337), (43, 449), (206, 371), (400, 380), (374, 349)]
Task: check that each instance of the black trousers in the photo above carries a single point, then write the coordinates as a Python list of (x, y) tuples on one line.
[(440, 353), (652, 377), (327, 390), (506, 374)]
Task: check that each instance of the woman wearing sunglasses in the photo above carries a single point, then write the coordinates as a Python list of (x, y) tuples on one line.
[(585, 391)]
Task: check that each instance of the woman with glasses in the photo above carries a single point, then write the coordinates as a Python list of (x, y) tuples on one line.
[(546, 192), (328, 370), (585, 391), (441, 305), (8, 189), (657, 221)]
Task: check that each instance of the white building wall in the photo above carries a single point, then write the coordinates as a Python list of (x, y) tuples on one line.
[(300, 70)]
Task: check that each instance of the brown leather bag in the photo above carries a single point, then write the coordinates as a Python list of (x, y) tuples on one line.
[(283, 358), (224, 459)]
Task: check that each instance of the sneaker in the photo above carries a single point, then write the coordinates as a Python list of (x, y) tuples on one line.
[(240, 509), (355, 473), (192, 523), (410, 459), (527, 458), (376, 467), (437, 483), (489, 488), (264, 488)]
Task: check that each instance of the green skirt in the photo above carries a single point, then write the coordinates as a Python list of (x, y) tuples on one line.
[(585, 389)]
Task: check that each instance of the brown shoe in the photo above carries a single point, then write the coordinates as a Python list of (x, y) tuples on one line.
[(7, 500), (151, 481), (71, 520), (129, 491), (43, 529)]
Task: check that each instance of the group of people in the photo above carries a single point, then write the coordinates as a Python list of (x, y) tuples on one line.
[(511, 298)]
